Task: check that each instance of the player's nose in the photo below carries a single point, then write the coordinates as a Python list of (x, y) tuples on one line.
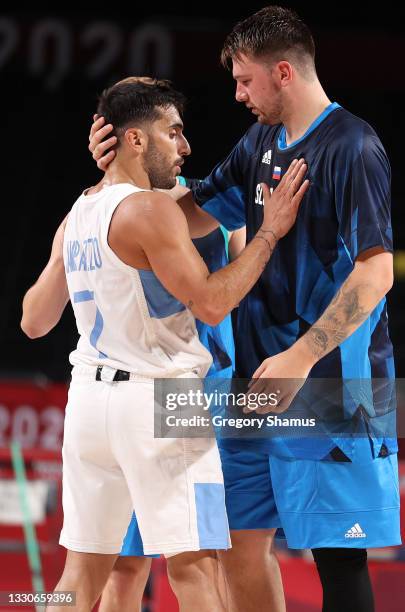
[(184, 148), (240, 94)]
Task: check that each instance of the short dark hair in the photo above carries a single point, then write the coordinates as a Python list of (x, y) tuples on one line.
[(273, 30), (136, 100)]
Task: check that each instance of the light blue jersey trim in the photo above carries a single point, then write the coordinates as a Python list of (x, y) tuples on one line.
[(212, 520), (160, 302), (226, 238), (83, 296), (282, 143)]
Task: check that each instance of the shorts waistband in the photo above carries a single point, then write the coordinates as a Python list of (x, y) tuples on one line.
[(106, 373)]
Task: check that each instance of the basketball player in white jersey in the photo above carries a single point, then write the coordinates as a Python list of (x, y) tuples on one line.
[(134, 297)]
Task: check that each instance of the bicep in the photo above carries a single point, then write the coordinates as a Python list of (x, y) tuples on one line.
[(175, 260)]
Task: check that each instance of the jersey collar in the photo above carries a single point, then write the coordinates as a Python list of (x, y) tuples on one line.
[(281, 141)]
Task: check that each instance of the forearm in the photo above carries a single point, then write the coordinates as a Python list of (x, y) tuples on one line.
[(44, 302), (351, 306), (226, 287)]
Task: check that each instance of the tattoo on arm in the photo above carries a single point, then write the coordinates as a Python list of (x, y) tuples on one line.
[(343, 315)]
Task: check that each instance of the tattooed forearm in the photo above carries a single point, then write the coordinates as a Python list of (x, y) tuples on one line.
[(352, 309), (320, 339), (349, 308)]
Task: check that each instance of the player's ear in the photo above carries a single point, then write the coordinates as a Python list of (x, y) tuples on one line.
[(136, 138), (284, 72)]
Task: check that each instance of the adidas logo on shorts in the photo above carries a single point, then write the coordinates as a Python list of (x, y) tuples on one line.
[(266, 159), (355, 532)]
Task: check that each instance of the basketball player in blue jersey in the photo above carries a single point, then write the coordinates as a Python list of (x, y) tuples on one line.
[(318, 310)]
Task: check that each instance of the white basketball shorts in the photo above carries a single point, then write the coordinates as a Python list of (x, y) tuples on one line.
[(113, 464)]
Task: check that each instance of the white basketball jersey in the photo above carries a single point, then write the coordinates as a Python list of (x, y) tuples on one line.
[(125, 317)]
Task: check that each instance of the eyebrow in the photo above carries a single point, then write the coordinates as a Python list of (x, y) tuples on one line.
[(177, 125), (241, 76)]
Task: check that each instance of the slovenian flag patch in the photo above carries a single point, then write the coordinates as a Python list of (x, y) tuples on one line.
[(277, 173)]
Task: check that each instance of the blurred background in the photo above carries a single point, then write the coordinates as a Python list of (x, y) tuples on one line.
[(53, 65)]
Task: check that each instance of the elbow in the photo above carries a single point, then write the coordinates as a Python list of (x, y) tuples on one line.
[(30, 330), (212, 320), (211, 315), (378, 271), (385, 282), (389, 281)]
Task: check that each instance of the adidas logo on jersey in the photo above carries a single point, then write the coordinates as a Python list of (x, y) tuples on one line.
[(266, 159), (355, 532)]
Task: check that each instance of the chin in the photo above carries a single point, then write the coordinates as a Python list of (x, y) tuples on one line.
[(166, 184), (266, 120), (172, 183)]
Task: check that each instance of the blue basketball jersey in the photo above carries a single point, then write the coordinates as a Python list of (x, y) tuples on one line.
[(345, 211)]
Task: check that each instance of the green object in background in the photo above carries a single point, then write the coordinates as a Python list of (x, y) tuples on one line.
[(31, 542)]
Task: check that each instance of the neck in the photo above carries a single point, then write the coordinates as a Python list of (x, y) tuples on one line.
[(124, 171), (303, 109)]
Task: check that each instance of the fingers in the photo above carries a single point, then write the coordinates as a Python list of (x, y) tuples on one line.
[(266, 191), (292, 172), (258, 387), (289, 169), (282, 405), (296, 200), (102, 147), (297, 179), (103, 162), (98, 123), (98, 136)]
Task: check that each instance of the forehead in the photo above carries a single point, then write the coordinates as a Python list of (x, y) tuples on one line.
[(169, 116), (245, 65)]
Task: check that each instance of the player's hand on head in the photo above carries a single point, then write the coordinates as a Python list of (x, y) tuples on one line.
[(281, 207), (99, 144)]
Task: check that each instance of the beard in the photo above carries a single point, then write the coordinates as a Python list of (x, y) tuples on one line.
[(158, 168), (273, 114)]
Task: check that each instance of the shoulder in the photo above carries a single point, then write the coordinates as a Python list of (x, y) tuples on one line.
[(350, 145), (150, 212), (152, 204), (352, 135)]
